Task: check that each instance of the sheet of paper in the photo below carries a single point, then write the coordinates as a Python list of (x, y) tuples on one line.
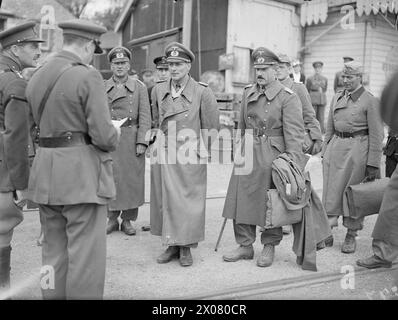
[(119, 123)]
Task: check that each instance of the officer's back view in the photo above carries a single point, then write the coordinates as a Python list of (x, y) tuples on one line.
[(71, 177)]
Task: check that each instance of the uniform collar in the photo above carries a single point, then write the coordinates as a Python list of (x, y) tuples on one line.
[(288, 82), (130, 84), (70, 56), (356, 93), (270, 92), (187, 92), (11, 63)]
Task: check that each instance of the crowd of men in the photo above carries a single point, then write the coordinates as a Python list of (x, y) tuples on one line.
[(90, 136)]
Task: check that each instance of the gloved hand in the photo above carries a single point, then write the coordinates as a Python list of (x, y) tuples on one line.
[(317, 147), (371, 173)]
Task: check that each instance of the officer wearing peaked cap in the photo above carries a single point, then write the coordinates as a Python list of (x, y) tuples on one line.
[(20, 50), (272, 114), (162, 68), (180, 194), (127, 98), (71, 178), (352, 149)]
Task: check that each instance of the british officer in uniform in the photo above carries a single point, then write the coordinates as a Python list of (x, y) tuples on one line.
[(352, 149), (186, 107), (317, 85), (20, 50), (273, 113), (127, 98), (72, 178)]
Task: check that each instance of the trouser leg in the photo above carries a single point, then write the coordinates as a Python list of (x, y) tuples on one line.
[(272, 236), (113, 214), (85, 228), (130, 214), (54, 252), (5, 268), (384, 250), (353, 225), (245, 234)]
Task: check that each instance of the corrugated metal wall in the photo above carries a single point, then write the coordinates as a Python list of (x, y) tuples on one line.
[(332, 46)]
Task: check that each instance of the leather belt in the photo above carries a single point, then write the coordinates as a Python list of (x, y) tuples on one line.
[(260, 132), (363, 132), (71, 139)]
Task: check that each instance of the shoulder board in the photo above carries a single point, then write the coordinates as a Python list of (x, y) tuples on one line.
[(203, 84), (288, 90), (161, 81), (138, 80), (249, 86)]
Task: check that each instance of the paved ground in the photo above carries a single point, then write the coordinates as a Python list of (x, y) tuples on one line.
[(132, 271)]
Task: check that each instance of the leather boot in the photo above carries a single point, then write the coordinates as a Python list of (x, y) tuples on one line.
[(349, 244), (185, 257), (113, 225), (267, 256), (127, 228), (170, 253), (374, 262), (5, 257), (242, 252)]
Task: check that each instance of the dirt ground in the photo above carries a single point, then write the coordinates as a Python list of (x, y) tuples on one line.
[(132, 271)]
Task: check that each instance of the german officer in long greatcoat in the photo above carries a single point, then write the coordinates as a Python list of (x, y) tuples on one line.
[(385, 232), (71, 178), (273, 113), (20, 49), (127, 98), (186, 108), (352, 149)]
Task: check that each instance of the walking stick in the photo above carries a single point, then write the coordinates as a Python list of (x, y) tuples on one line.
[(220, 235)]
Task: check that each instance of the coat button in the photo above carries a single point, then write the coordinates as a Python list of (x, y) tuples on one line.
[(131, 110), (268, 102), (266, 110)]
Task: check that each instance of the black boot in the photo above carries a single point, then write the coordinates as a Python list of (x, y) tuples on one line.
[(5, 255)]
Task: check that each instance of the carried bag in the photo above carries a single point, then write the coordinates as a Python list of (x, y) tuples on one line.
[(277, 214), (365, 198)]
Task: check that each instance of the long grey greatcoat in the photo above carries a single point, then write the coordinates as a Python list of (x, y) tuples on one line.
[(178, 198), (78, 174), (345, 159), (129, 100), (277, 109)]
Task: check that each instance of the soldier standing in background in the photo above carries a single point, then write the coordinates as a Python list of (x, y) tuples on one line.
[(72, 178), (20, 50), (127, 98), (317, 86)]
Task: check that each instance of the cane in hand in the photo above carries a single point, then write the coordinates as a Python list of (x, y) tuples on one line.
[(220, 235)]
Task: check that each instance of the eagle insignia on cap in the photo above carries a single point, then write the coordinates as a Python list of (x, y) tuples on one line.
[(174, 52), (119, 55), (261, 60)]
